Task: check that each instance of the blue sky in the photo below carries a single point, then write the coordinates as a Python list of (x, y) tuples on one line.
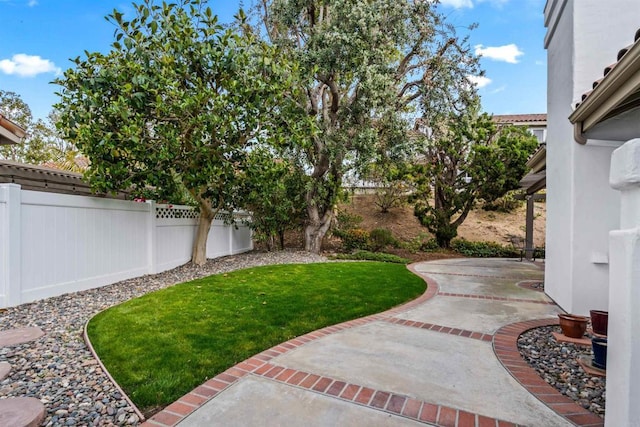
[(40, 36)]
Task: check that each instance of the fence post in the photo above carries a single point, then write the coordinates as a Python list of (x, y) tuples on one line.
[(152, 230), (11, 272)]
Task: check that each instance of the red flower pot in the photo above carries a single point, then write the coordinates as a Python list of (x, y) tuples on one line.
[(599, 321), (573, 326)]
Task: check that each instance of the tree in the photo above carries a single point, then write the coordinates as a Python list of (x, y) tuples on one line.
[(274, 194), (364, 60), (175, 106), (467, 158), (15, 109), (42, 144)]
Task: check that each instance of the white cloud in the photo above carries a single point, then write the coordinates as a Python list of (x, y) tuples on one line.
[(495, 3), (498, 90), (479, 81), (458, 4), (507, 53), (32, 3), (25, 65)]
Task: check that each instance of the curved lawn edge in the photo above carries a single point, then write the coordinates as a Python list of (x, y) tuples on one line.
[(87, 341), (190, 402)]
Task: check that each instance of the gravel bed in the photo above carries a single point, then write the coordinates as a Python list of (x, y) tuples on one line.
[(557, 364), (58, 368)]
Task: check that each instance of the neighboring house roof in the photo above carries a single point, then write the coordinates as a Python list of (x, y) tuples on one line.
[(614, 94), (10, 132), (41, 178), (521, 119)]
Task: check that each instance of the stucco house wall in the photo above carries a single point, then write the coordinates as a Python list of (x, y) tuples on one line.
[(581, 206)]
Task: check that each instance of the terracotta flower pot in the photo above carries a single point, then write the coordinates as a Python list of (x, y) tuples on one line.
[(599, 321), (599, 346), (573, 326)]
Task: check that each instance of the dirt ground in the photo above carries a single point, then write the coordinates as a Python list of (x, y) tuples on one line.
[(480, 225)]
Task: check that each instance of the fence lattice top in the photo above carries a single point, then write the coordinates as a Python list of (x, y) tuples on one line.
[(187, 212)]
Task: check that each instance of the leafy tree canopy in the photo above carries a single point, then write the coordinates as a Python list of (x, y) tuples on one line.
[(364, 60), (466, 158), (177, 104)]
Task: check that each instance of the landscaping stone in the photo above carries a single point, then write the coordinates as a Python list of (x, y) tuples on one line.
[(21, 412), (558, 364), (5, 368), (58, 368), (19, 336)]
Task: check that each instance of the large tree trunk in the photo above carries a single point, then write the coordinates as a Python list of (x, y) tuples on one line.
[(315, 231), (199, 253)]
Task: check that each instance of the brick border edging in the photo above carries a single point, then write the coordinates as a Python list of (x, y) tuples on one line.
[(190, 402), (505, 347), (385, 401)]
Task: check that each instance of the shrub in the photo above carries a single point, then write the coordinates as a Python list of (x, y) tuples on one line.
[(373, 256), (507, 203), (416, 243), (380, 238), (347, 221), (353, 239), (483, 249), (429, 245)]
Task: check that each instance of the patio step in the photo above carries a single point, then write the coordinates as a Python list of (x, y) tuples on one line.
[(21, 412), (5, 368)]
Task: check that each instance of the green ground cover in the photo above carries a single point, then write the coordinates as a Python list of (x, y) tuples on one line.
[(162, 345)]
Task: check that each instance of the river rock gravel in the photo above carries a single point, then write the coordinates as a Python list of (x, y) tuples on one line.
[(557, 364), (58, 368)]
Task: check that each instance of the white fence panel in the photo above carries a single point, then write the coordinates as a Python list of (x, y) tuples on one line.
[(51, 244), (219, 240), (4, 246), (175, 231), (71, 243), (241, 239)]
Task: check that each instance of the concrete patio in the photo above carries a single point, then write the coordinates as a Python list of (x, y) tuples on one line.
[(448, 358)]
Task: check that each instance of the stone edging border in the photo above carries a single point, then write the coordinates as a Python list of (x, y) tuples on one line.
[(505, 346)]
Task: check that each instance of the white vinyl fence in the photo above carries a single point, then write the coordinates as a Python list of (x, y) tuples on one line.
[(51, 244)]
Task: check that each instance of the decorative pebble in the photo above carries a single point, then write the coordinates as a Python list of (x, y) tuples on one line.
[(58, 368), (558, 366)]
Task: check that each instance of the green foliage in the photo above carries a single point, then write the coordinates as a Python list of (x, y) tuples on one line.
[(372, 256), (379, 238), (274, 194), (177, 105), (507, 203), (42, 144), (468, 158), (429, 245), (417, 243), (367, 64), (347, 221), (161, 346), (353, 239), (484, 249)]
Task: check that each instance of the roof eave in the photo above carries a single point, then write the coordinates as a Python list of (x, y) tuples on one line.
[(10, 133), (622, 81)]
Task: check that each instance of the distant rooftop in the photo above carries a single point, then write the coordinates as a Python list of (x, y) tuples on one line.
[(10, 133), (532, 119)]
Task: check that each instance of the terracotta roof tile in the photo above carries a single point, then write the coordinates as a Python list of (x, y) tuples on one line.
[(621, 53), (519, 118)]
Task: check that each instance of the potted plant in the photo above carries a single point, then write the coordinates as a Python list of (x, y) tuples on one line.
[(573, 326), (599, 346), (599, 321)]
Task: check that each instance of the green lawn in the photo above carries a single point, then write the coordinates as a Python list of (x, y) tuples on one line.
[(162, 345)]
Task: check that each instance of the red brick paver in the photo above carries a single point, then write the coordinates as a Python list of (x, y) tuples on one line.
[(505, 346)]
